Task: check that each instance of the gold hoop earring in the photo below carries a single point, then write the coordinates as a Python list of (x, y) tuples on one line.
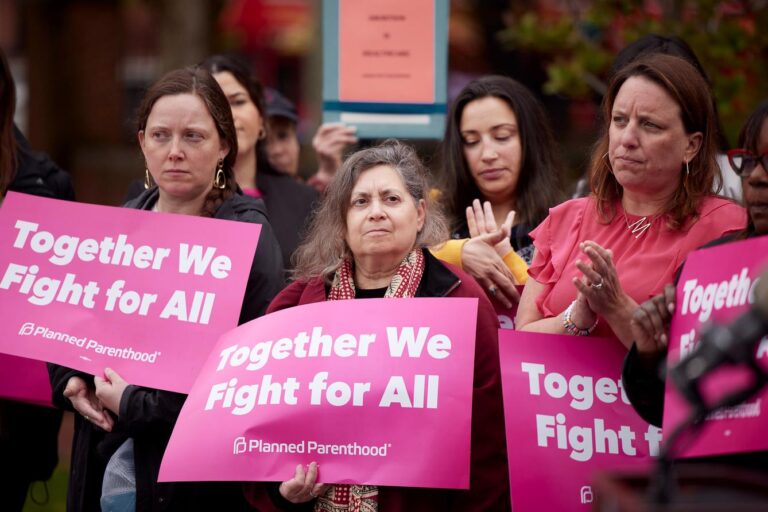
[(147, 179), (220, 180)]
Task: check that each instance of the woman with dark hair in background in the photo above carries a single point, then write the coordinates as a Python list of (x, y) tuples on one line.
[(289, 204), (651, 177), (189, 143), (498, 149), (28, 433)]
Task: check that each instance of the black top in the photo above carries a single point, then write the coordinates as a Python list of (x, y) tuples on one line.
[(370, 293)]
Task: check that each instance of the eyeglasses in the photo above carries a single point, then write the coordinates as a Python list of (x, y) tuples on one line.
[(743, 162)]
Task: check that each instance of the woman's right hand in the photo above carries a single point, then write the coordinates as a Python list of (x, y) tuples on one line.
[(650, 322), (480, 221), (85, 402), (303, 486), (329, 143)]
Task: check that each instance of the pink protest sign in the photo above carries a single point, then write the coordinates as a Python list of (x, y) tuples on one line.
[(24, 380), (567, 417), (717, 285), (144, 293), (506, 316), (375, 391)]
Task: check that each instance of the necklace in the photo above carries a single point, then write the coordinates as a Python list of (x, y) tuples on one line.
[(640, 226)]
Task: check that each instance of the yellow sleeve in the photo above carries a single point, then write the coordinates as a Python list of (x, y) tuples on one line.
[(450, 251), (517, 266)]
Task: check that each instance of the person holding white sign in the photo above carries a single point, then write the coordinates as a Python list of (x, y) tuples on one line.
[(189, 144), (369, 240), (651, 176)]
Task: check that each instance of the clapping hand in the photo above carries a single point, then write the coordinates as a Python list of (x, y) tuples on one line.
[(650, 322)]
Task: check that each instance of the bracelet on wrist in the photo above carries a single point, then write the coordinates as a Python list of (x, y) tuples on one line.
[(572, 328)]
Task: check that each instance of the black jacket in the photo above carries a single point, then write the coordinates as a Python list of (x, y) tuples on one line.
[(289, 208), (38, 175), (148, 415)]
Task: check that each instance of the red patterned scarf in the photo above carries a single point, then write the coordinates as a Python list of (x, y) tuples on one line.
[(405, 282)]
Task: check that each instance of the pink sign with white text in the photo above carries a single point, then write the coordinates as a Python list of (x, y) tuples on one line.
[(146, 294), (376, 391), (567, 417), (717, 285), (505, 315)]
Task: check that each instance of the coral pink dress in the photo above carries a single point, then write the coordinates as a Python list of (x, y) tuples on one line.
[(644, 264)]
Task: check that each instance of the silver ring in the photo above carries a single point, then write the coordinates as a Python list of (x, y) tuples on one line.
[(86, 417), (312, 494), (492, 290), (597, 286)]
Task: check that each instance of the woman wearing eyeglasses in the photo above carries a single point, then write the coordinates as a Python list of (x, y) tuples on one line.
[(650, 323)]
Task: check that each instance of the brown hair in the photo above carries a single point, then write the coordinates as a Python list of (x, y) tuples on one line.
[(197, 81), (241, 70), (690, 91), (538, 186), (325, 247), (7, 138)]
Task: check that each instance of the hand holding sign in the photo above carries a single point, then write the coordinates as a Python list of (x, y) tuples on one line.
[(110, 390), (85, 402), (303, 486)]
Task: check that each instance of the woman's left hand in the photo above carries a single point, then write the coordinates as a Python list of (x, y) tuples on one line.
[(601, 288), (600, 284), (110, 390)]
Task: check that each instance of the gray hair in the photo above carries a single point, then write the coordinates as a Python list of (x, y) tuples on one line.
[(325, 247)]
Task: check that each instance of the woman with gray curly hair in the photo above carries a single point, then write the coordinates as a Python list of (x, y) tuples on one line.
[(369, 240)]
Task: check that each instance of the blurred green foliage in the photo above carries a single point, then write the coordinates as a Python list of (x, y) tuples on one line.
[(578, 45)]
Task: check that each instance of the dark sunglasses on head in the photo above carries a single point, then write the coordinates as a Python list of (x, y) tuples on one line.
[(743, 162)]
